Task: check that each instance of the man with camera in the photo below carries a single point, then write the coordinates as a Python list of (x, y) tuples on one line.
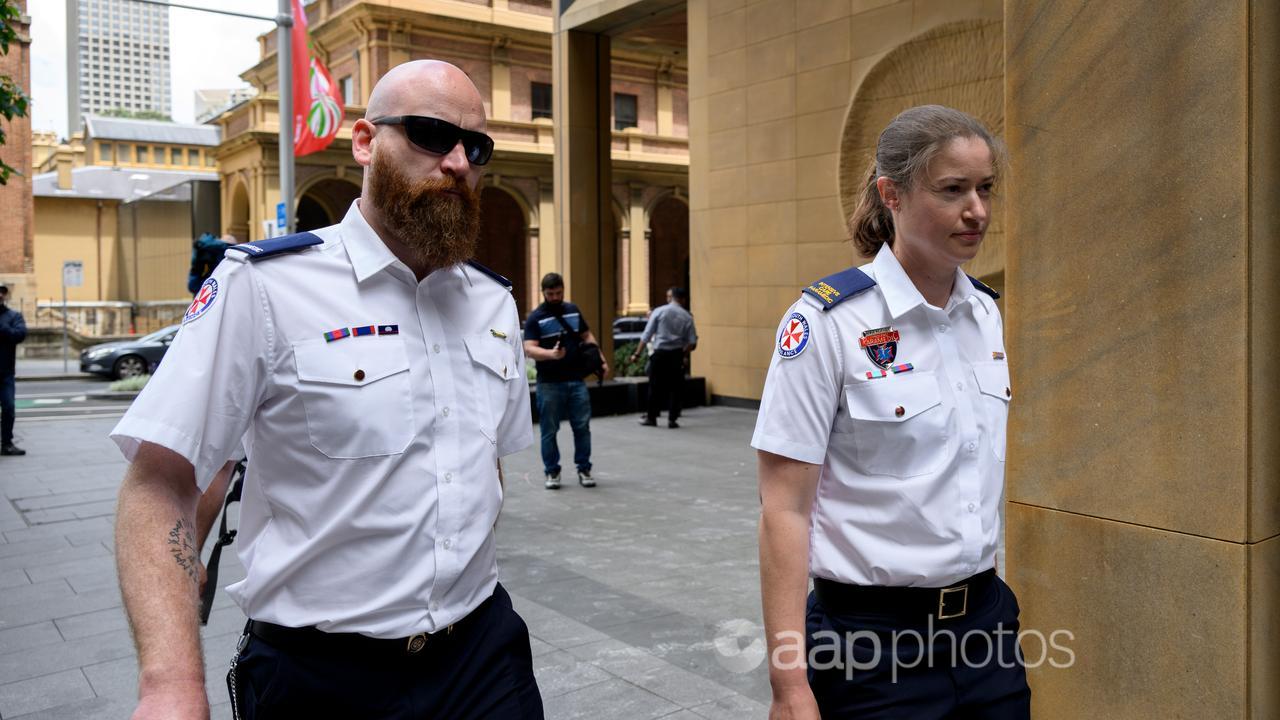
[(556, 335)]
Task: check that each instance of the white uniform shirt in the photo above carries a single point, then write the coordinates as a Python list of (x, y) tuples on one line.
[(912, 475), (372, 486)]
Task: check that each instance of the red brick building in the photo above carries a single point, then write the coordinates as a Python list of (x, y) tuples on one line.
[(15, 197)]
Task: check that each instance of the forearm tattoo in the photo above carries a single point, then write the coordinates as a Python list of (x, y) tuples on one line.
[(182, 545)]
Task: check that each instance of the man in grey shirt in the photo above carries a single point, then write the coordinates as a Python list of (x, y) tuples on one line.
[(674, 337)]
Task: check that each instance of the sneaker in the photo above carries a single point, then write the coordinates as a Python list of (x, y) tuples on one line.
[(648, 423), (673, 424), (553, 482), (11, 449), (584, 479)]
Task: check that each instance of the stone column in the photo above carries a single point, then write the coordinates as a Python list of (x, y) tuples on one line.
[(666, 104), (1143, 267), (500, 71), (583, 175), (638, 279)]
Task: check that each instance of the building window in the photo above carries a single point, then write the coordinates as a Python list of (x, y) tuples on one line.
[(348, 86), (208, 159), (104, 152), (540, 99), (142, 154), (624, 111), (175, 156), (193, 156)]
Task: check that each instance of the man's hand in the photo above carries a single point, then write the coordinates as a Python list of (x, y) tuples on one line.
[(182, 702), (604, 368), (557, 352)]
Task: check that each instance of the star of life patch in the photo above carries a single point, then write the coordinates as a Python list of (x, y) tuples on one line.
[(794, 337), (203, 300)]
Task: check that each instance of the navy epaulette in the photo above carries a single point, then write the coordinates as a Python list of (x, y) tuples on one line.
[(275, 246), (496, 277), (835, 289), (984, 287)]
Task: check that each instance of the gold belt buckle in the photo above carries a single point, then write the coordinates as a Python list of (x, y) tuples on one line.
[(942, 602), (416, 643)]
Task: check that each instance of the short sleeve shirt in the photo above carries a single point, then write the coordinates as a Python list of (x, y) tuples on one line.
[(904, 405), (374, 409), (670, 327), (544, 326)]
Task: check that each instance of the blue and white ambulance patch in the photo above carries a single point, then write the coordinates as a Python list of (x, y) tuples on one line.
[(794, 337), (203, 300)]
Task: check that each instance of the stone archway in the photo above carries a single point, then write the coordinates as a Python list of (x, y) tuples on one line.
[(325, 203), (238, 220), (504, 241), (959, 64), (668, 248)]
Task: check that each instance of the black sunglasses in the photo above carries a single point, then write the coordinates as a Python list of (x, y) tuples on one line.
[(439, 137)]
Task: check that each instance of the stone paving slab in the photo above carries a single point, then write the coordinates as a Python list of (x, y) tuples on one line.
[(626, 588)]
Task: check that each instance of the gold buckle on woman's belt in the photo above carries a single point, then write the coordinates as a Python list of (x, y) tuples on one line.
[(964, 602)]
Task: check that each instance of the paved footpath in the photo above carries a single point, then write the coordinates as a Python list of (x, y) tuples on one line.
[(641, 595)]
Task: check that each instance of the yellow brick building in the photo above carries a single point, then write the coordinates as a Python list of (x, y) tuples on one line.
[(118, 197), (505, 47)]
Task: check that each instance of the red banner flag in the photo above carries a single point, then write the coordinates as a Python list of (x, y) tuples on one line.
[(317, 104)]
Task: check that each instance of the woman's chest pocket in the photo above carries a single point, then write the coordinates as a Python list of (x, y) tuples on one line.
[(357, 395), (898, 424), (494, 368), (995, 393)]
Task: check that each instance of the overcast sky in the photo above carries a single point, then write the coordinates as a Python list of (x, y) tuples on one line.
[(206, 51)]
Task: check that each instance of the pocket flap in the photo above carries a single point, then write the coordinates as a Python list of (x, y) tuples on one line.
[(493, 354), (993, 379), (893, 399), (351, 361)]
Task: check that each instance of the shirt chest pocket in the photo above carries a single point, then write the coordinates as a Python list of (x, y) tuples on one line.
[(899, 424), (357, 396), (993, 383), (495, 368)]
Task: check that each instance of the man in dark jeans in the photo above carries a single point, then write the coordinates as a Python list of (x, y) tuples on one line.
[(671, 329), (552, 335), (13, 330)]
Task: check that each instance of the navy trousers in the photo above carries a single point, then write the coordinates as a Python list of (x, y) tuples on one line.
[(8, 389), (482, 670), (967, 668)]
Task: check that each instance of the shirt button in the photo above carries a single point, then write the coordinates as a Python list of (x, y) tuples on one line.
[(973, 447), (448, 477), (972, 507), (435, 348), (943, 328), (359, 375), (448, 544), (960, 386), (446, 412)]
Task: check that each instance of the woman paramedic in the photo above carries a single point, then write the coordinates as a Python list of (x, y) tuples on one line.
[(881, 441)]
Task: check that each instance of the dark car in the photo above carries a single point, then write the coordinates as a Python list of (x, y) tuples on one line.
[(128, 358), (627, 329)]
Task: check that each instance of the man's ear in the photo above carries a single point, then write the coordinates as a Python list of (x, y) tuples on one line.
[(362, 142)]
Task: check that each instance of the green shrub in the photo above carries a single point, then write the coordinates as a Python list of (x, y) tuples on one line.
[(622, 365), (133, 384)]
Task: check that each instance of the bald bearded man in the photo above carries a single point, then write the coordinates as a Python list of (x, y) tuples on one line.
[(376, 377)]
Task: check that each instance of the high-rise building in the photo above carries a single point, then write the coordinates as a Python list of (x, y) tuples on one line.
[(117, 58)]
